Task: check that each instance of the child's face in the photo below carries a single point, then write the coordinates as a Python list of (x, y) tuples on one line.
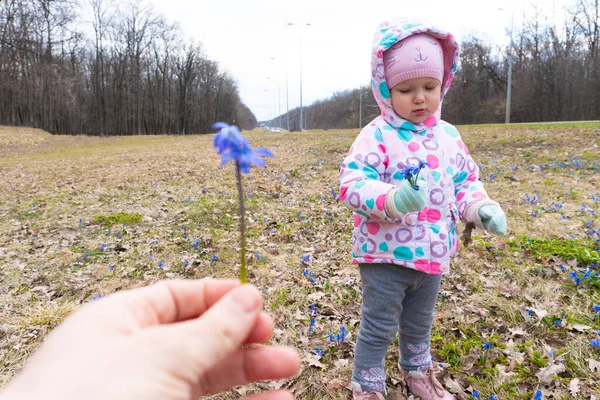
[(416, 99)]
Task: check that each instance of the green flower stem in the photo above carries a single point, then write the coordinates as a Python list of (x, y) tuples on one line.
[(414, 179), (485, 357), (242, 215)]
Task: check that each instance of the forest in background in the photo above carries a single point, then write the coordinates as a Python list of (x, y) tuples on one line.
[(125, 70)]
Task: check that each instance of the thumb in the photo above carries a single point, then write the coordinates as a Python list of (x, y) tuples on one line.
[(220, 331), (486, 212)]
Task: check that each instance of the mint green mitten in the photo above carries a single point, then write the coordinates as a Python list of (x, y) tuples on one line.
[(493, 219), (404, 199)]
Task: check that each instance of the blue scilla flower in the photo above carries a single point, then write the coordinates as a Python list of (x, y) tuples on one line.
[(595, 343), (411, 173), (246, 157), (232, 146), (596, 308), (486, 346), (227, 137), (407, 172), (340, 337)]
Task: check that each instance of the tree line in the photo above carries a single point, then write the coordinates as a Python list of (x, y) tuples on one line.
[(126, 70), (555, 77)]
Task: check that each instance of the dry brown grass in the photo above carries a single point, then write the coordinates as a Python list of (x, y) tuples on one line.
[(50, 261)]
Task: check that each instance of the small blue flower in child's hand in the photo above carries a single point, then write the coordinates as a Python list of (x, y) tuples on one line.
[(407, 172), (411, 173)]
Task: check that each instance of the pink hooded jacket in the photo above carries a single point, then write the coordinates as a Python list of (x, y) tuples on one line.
[(424, 240)]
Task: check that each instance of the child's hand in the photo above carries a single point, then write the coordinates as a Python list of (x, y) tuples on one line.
[(493, 219), (404, 199)]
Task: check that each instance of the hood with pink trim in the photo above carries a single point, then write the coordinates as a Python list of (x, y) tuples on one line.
[(391, 32)]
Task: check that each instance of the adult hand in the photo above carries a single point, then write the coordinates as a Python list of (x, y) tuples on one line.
[(173, 340)]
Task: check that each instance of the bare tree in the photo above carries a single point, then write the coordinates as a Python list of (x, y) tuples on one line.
[(587, 19)]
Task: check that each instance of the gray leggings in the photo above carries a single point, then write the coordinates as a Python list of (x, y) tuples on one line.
[(395, 299)]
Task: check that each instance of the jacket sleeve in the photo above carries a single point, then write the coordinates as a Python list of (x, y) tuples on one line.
[(361, 187), (468, 189)]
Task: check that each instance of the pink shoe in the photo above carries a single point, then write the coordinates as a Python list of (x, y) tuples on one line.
[(425, 385), (359, 394)]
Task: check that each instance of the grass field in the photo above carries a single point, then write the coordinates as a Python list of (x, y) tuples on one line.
[(82, 217)]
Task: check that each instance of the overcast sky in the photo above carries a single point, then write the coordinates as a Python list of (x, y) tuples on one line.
[(243, 36)]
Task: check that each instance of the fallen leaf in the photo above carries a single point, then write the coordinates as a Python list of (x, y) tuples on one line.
[(313, 361), (579, 327), (574, 387), (341, 363), (594, 365), (316, 296), (337, 384), (503, 376), (276, 385), (304, 340), (277, 333), (454, 387), (517, 332), (572, 263), (242, 390), (545, 374), (539, 312)]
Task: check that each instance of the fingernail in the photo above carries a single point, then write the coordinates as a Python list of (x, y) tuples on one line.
[(248, 297)]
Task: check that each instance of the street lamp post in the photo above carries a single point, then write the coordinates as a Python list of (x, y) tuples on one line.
[(286, 97), (273, 120), (274, 101), (279, 101), (509, 89), (300, 25), (509, 83)]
